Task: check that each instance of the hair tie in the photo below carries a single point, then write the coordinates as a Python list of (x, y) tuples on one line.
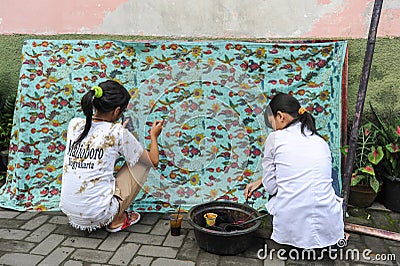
[(98, 91), (302, 110)]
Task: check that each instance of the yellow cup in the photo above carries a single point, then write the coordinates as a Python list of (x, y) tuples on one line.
[(210, 218)]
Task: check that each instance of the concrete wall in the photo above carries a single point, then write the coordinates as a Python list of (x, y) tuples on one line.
[(216, 19), (200, 18)]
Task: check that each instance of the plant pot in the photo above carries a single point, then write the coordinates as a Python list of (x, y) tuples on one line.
[(362, 195), (391, 193)]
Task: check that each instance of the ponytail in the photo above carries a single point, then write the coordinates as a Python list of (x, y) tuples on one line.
[(288, 104), (87, 108), (307, 120)]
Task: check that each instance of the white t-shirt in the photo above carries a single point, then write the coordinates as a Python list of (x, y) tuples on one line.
[(297, 168), (88, 182)]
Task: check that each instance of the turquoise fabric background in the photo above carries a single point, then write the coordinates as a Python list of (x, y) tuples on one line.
[(211, 94)]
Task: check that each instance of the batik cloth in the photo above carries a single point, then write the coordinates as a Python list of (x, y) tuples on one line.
[(211, 95)]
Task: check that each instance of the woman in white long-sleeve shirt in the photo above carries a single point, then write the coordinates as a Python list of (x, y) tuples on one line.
[(297, 173)]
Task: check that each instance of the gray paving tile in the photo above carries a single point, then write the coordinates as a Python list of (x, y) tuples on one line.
[(175, 241), (73, 263), (41, 233), (354, 237), (341, 263), (57, 256), (139, 228), (68, 230), (113, 241), (190, 249), (186, 225), (90, 255), (141, 261), (26, 215), (46, 246), (239, 261), (160, 228), (58, 219), (156, 251), (101, 233), (81, 242), (252, 251), (273, 261), (171, 262), (16, 246), (394, 255), (8, 214), (20, 259), (149, 218), (11, 223), (207, 259), (13, 234), (35, 222), (146, 239), (392, 242), (124, 254), (377, 245)]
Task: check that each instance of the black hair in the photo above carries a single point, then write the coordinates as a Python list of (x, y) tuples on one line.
[(114, 95), (288, 104)]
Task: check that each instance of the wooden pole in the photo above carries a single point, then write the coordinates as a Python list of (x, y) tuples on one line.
[(372, 231), (360, 102)]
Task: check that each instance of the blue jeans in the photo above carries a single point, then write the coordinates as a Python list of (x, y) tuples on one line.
[(335, 183)]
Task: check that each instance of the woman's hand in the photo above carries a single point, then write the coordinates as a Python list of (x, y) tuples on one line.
[(251, 187), (155, 131), (156, 128)]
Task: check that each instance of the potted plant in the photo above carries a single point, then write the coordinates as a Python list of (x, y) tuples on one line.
[(388, 136), (364, 185)]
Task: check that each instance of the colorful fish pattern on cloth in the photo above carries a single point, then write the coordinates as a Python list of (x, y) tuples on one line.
[(211, 95)]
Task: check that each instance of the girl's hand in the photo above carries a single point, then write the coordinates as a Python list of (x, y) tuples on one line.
[(125, 122), (251, 187), (156, 128)]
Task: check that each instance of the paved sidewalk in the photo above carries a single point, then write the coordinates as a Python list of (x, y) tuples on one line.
[(45, 238)]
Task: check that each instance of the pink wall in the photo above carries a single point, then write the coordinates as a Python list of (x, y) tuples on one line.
[(213, 18), (53, 17)]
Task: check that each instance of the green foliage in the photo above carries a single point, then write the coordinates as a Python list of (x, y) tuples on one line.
[(6, 122), (368, 155), (387, 127)]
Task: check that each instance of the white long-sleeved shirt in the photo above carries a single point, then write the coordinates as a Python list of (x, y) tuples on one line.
[(297, 170)]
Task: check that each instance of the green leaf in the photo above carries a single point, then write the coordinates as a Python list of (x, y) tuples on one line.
[(368, 170), (376, 155), (393, 147), (344, 150), (373, 182), (355, 179)]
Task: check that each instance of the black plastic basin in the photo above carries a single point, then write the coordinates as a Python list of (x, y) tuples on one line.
[(215, 239)]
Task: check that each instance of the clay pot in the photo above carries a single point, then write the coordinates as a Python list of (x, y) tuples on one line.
[(362, 195), (391, 193)]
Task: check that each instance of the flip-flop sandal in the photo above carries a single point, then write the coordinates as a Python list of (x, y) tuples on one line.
[(128, 222)]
